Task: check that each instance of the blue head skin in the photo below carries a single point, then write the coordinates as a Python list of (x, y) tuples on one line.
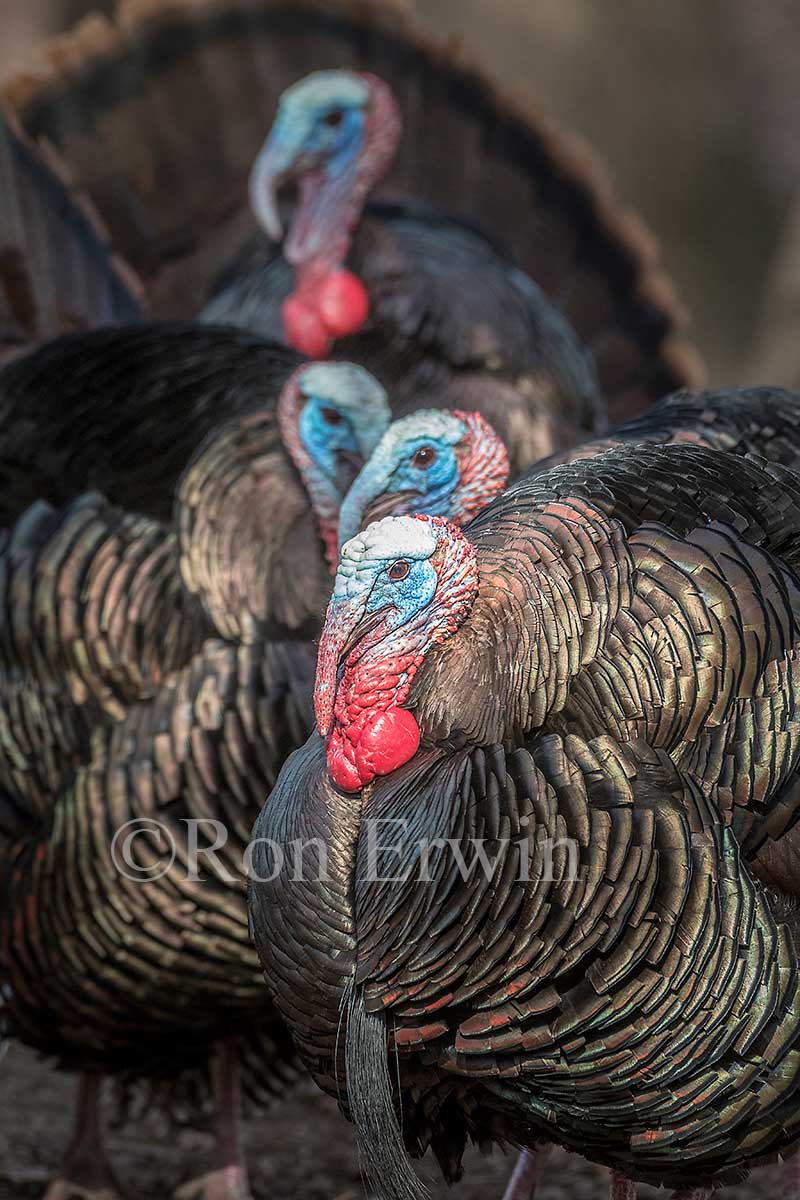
[(331, 417), (370, 579), (328, 432), (335, 133), (385, 579), (440, 463)]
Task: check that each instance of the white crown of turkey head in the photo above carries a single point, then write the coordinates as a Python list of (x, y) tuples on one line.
[(322, 90), (398, 537), (403, 585)]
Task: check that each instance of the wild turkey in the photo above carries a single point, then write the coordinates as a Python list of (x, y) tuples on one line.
[(99, 608), (601, 674), (56, 270), (160, 115), (449, 316), (116, 957), (94, 616), (761, 420)]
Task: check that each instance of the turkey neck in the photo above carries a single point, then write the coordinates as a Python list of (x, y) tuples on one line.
[(331, 206), (249, 542), (530, 608), (323, 494)]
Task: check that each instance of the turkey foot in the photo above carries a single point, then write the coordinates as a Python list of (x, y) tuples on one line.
[(65, 1189), (228, 1180), (621, 1187), (791, 1178), (85, 1172), (527, 1173), (226, 1183)]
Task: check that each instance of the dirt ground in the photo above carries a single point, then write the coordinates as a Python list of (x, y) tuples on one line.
[(303, 1150)]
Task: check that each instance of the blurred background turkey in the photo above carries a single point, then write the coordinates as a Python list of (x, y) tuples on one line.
[(705, 152), (693, 108)]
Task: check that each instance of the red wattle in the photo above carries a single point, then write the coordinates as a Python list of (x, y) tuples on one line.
[(305, 328), (343, 303), (386, 740), (341, 770)]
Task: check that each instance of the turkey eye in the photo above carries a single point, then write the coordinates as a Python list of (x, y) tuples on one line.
[(424, 457), (330, 416), (334, 117), (398, 570)]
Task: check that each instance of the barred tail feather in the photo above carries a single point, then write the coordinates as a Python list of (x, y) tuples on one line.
[(56, 270)]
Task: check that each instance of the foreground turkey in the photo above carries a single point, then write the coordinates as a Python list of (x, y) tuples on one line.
[(160, 116), (762, 420), (601, 675), (147, 970)]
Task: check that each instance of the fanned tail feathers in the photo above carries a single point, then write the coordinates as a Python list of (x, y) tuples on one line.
[(160, 112), (56, 270)]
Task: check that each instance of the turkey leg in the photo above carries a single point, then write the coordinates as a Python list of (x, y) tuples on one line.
[(527, 1173), (85, 1172), (623, 1188), (228, 1180), (791, 1178)]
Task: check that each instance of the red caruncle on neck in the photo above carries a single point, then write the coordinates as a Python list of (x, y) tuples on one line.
[(372, 734), (324, 307)]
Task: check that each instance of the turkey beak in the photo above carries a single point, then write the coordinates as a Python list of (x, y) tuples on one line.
[(268, 173), (348, 465), (345, 627), (360, 508), (390, 504), (277, 162)]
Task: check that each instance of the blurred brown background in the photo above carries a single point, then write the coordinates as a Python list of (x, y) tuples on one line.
[(695, 109)]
